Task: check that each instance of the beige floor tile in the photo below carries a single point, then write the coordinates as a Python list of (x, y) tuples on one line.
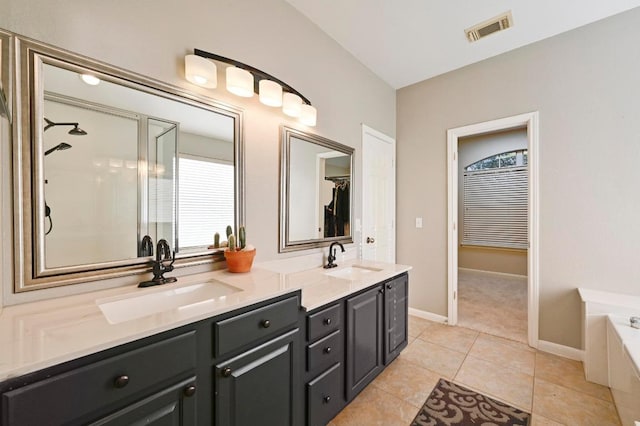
[(376, 407), (572, 407), (407, 381), (433, 357), (417, 325), (568, 373), (457, 338), (510, 355), (507, 385), (538, 420)]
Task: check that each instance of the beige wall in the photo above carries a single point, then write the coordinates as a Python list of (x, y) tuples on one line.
[(585, 85), (152, 37), (475, 148)]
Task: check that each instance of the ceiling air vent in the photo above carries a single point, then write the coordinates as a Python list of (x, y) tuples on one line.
[(493, 25)]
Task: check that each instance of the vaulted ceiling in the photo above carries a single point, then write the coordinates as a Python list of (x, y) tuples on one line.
[(407, 41)]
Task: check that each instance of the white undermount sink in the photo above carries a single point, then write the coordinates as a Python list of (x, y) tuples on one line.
[(126, 308), (353, 272)]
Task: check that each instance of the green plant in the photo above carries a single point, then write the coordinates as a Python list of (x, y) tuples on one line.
[(216, 240), (242, 237), (232, 242), (229, 231)]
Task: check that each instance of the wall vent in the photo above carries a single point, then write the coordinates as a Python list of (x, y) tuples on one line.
[(490, 26)]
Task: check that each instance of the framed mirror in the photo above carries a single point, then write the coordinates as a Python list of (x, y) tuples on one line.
[(316, 197), (109, 162)]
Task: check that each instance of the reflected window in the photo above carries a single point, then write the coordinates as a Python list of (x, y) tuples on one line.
[(206, 200)]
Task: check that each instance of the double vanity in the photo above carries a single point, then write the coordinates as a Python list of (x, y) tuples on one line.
[(263, 347)]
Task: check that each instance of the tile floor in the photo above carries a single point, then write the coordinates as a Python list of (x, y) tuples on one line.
[(552, 388)]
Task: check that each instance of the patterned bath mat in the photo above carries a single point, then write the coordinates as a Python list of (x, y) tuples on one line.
[(450, 404)]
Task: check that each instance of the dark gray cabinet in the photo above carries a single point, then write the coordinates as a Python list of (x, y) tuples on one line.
[(82, 394), (174, 406), (395, 317), (364, 339), (166, 379), (324, 387), (260, 386)]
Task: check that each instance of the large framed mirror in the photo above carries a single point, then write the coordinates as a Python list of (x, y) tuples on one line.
[(316, 196), (108, 163)]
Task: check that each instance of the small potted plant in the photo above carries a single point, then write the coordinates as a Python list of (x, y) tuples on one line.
[(239, 256)]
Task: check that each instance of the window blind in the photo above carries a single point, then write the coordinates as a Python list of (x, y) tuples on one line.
[(496, 208), (206, 200)]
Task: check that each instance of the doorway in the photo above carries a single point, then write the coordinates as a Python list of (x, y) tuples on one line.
[(528, 122)]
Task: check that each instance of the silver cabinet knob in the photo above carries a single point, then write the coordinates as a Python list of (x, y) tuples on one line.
[(371, 240)]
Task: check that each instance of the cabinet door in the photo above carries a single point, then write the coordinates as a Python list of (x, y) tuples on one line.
[(261, 386), (175, 406), (395, 317), (364, 339)]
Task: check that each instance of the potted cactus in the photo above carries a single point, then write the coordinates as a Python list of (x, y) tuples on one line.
[(239, 254)]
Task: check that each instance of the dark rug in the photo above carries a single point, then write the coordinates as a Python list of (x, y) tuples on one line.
[(450, 404)]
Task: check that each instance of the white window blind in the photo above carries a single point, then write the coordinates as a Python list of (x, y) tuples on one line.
[(206, 200), (496, 208)]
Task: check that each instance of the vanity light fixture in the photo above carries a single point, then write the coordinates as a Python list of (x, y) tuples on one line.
[(201, 71), (244, 80), (89, 79)]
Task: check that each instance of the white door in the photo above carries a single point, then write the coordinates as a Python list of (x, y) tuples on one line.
[(378, 196)]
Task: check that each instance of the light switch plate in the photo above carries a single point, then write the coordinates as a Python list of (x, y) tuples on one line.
[(418, 222)]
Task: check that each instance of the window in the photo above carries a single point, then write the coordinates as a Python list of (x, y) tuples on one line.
[(203, 212), (495, 211)]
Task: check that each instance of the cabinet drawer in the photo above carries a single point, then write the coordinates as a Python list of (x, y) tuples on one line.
[(246, 328), (324, 396), (77, 395), (325, 352), (324, 322)]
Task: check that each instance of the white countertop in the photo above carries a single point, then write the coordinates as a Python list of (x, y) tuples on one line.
[(41, 334)]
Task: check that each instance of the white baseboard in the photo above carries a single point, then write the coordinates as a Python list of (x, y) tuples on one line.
[(428, 315), (492, 272), (561, 350)]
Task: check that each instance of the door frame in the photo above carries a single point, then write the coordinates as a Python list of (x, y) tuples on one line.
[(531, 122), (368, 131)]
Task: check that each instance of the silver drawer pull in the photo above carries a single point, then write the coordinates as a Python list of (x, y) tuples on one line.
[(327, 321), (326, 399), (265, 324), (327, 350)]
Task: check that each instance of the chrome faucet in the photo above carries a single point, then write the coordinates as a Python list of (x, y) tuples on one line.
[(332, 255), (163, 254)]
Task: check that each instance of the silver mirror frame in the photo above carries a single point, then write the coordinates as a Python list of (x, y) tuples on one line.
[(27, 148), (285, 244)]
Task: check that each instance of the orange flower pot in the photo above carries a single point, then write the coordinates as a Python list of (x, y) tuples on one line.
[(239, 261)]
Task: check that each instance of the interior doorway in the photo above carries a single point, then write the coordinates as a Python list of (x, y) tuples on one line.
[(523, 240)]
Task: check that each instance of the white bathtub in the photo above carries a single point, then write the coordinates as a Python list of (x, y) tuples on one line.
[(623, 348)]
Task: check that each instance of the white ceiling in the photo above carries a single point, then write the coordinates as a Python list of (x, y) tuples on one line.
[(407, 41)]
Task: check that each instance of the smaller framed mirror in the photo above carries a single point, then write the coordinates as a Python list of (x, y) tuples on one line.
[(316, 195)]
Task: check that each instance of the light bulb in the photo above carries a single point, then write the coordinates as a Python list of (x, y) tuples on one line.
[(308, 115), (240, 82), (200, 71), (291, 104), (270, 93)]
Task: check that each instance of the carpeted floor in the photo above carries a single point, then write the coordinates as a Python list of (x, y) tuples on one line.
[(493, 303), (453, 405)]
